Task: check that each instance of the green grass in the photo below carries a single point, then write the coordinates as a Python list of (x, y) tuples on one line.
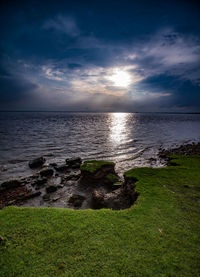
[(92, 166), (158, 236)]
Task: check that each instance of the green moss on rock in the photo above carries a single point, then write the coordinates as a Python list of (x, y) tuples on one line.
[(93, 166), (112, 178), (118, 184)]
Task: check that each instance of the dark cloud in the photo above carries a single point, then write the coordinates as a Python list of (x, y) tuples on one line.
[(74, 65), (183, 93), (14, 89), (60, 55)]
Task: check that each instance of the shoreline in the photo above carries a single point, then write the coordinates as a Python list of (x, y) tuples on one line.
[(51, 185), (184, 149), (158, 234)]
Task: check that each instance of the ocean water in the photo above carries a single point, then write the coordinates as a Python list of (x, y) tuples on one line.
[(129, 139)]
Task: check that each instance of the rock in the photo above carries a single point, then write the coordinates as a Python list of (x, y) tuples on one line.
[(56, 198), (46, 197), (115, 200), (73, 162), (111, 178), (72, 177), (10, 184), (53, 164), (39, 182), (51, 188), (37, 163), (122, 197), (152, 159), (98, 173), (11, 202), (76, 165), (60, 186), (98, 199), (117, 185), (27, 180), (187, 149), (129, 185), (46, 172), (162, 155), (61, 168), (21, 195), (76, 200), (31, 195)]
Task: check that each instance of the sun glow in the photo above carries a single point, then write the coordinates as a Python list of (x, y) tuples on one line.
[(121, 78)]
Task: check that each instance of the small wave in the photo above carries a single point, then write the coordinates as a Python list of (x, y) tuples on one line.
[(15, 161)]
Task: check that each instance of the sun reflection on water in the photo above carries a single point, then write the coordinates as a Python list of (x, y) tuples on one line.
[(118, 127)]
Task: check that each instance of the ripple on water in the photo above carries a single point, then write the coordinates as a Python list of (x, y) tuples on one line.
[(129, 139)]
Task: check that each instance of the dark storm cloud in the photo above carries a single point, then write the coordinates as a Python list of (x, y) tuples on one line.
[(66, 25), (14, 89), (184, 93), (62, 54)]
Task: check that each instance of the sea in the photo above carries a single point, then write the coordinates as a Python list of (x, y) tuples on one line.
[(128, 139)]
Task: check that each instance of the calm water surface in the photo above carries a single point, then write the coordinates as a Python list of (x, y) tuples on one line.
[(129, 139)]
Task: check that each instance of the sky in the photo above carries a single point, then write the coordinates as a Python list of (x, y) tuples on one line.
[(107, 56)]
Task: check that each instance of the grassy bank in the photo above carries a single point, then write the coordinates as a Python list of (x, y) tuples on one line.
[(158, 236)]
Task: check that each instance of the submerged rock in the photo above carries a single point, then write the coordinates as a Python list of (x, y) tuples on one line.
[(76, 200), (48, 172), (74, 162), (98, 173), (38, 162)]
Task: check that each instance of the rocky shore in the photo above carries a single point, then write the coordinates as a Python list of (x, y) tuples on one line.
[(92, 184), (186, 149), (73, 184)]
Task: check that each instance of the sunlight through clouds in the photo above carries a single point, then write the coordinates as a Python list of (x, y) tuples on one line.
[(121, 78)]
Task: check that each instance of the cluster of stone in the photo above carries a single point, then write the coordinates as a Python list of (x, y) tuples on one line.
[(92, 184)]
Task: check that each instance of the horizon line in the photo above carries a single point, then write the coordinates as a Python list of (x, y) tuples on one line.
[(48, 111)]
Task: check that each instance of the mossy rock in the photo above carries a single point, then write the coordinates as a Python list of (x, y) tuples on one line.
[(93, 166), (112, 178), (117, 185)]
